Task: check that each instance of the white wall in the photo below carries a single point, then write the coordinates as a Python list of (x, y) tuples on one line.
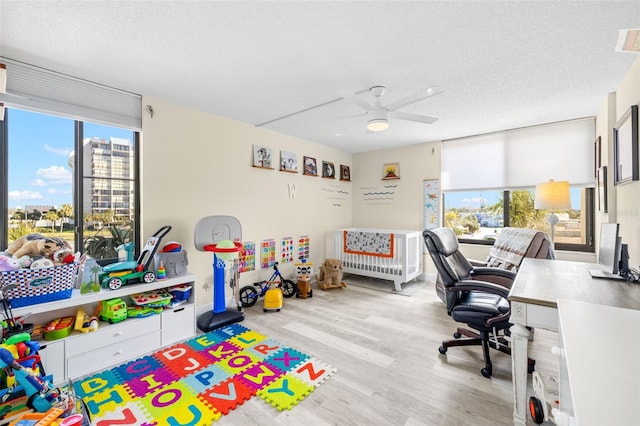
[(623, 198), (399, 202), (196, 164)]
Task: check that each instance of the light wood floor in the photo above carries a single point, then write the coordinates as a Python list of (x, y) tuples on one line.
[(389, 370)]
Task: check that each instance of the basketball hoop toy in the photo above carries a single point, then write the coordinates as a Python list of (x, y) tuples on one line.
[(220, 235)]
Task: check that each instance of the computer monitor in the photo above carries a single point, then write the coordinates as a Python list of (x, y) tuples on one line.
[(609, 248), (609, 252)]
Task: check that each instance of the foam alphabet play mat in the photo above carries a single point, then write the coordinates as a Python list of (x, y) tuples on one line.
[(198, 381)]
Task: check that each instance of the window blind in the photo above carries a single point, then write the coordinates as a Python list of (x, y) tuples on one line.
[(521, 158), (42, 90)]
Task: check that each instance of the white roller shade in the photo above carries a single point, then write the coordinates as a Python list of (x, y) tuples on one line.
[(49, 92), (521, 158)]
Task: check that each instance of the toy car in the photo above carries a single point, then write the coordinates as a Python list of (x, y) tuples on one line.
[(113, 310)]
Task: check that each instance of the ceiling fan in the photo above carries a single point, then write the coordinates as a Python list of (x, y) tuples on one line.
[(378, 115)]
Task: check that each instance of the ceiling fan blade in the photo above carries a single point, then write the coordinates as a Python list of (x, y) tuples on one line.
[(411, 99), (355, 99), (413, 117)]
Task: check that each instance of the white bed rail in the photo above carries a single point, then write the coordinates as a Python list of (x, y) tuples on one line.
[(404, 265)]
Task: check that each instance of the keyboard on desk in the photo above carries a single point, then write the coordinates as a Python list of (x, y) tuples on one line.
[(597, 273)]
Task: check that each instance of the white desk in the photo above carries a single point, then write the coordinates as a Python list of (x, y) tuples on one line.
[(534, 296), (602, 353)]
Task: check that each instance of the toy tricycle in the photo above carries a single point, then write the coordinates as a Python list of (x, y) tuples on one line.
[(118, 274), (249, 295)]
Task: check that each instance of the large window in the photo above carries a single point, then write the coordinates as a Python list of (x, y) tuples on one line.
[(69, 161), (488, 182), (479, 216), (89, 200)]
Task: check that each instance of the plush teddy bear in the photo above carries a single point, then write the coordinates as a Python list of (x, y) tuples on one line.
[(331, 274), (35, 245)]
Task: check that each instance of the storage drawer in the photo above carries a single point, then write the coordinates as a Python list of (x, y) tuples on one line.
[(115, 353), (111, 334), (53, 360), (178, 324)]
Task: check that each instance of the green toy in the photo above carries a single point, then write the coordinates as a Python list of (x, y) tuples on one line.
[(113, 310)]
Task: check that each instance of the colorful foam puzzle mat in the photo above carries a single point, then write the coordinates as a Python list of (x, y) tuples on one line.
[(198, 381)]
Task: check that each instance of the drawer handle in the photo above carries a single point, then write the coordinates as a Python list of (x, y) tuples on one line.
[(118, 353), (119, 333), (178, 310)]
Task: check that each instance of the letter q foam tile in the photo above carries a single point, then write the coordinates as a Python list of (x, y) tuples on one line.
[(197, 382)]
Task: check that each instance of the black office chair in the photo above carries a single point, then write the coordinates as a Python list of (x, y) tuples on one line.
[(480, 304)]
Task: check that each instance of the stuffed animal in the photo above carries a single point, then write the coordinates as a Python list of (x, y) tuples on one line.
[(63, 256), (42, 263), (330, 274), (35, 245), (8, 263)]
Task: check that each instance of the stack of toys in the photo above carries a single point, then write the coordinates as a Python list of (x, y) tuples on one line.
[(148, 303)]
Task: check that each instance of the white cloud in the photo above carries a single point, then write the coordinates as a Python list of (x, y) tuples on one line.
[(55, 191), (55, 175), (24, 195), (39, 182), (63, 152)]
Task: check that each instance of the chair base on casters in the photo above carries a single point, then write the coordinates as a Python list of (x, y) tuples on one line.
[(482, 339)]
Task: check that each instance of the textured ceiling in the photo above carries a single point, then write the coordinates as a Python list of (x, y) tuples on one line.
[(499, 65)]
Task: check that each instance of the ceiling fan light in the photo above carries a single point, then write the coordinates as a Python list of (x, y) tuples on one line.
[(378, 124)]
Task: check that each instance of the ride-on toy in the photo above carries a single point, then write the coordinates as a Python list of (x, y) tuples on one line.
[(249, 295), (118, 274)]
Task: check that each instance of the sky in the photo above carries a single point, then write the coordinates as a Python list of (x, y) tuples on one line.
[(39, 148)]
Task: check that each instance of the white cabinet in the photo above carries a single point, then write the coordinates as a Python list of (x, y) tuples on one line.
[(177, 323), (80, 354)]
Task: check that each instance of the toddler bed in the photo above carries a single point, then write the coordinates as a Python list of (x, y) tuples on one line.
[(394, 255)]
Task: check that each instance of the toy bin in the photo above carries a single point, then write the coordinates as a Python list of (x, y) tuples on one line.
[(181, 292), (39, 285)]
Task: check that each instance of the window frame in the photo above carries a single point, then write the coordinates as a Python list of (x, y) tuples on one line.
[(78, 182), (589, 218)]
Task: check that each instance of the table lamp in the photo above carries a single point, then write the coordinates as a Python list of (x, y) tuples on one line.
[(552, 195)]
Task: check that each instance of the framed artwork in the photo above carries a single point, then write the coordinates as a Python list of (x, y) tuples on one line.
[(345, 173), (288, 162), (262, 157), (391, 171), (625, 147), (602, 189), (597, 156), (328, 170), (310, 166)]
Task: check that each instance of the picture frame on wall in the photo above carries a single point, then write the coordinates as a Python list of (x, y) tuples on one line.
[(288, 162), (262, 157), (602, 189), (625, 147), (310, 166), (391, 171), (597, 156), (345, 173), (328, 170)]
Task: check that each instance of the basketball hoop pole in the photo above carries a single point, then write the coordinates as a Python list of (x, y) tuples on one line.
[(220, 315)]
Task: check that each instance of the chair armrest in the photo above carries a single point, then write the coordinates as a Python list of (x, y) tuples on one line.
[(476, 262), (499, 276), (487, 287)]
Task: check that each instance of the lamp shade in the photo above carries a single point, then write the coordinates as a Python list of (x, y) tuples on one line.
[(552, 195)]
